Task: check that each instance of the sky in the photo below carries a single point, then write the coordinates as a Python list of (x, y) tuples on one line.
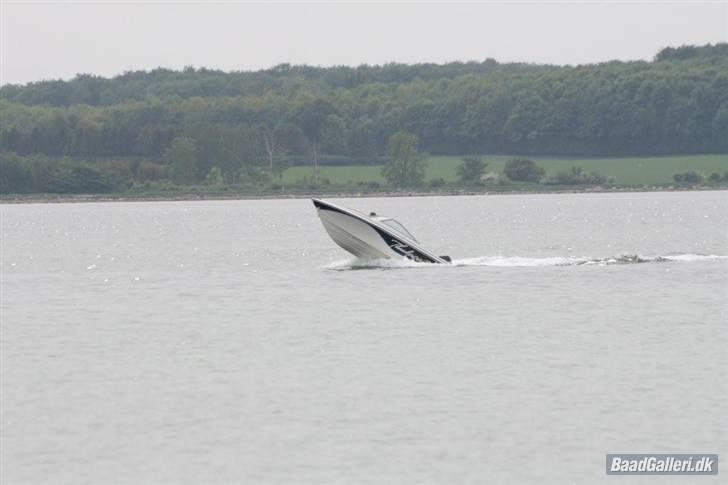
[(59, 39)]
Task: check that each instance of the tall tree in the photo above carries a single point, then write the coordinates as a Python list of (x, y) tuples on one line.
[(405, 165), (182, 158), (311, 118)]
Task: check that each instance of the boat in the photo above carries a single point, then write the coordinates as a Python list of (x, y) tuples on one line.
[(371, 236)]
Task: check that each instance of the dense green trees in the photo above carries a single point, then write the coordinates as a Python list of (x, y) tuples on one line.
[(39, 173), (15, 176), (247, 123)]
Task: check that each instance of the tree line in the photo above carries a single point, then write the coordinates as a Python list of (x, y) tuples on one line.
[(246, 125)]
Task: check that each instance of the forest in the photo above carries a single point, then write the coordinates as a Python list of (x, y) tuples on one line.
[(93, 134)]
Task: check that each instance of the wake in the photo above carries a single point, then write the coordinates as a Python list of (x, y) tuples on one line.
[(516, 261), (522, 262)]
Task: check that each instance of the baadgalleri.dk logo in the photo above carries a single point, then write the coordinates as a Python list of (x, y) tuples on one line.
[(662, 464)]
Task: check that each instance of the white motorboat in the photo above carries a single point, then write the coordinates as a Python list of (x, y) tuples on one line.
[(372, 236)]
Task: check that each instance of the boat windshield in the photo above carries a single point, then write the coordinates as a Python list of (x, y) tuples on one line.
[(398, 227)]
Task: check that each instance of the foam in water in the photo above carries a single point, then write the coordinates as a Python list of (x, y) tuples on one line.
[(522, 262), (356, 263)]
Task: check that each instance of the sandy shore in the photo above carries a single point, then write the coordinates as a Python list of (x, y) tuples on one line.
[(138, 197)]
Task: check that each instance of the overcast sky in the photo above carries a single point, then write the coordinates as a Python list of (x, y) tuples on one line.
[(57, 39)]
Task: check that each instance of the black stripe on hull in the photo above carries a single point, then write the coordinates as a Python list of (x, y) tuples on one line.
[(402, 248)]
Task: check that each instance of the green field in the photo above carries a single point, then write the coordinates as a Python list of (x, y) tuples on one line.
[(625, 171)]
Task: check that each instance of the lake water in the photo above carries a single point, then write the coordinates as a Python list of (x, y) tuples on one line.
[(233, 342)]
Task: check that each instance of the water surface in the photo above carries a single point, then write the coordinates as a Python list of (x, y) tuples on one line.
[(232, 341)]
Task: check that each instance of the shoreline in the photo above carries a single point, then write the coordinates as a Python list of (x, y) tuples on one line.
[(157, 197)]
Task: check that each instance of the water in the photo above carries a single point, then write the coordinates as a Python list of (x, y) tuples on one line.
[(210, 342)]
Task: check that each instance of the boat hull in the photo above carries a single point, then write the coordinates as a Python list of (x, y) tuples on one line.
[(365, 238), (357, 237)]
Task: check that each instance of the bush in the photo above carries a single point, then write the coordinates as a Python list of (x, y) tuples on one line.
[(471, 170), (372, 185), (714, 178), (252, 175), (78, 180), (214, 177), (154, 186), (575, 176), (494, 178), (522, 170), (689, 177), (436, 183), (150, 171)]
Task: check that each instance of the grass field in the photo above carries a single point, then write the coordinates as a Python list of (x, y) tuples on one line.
[(626, 171)]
